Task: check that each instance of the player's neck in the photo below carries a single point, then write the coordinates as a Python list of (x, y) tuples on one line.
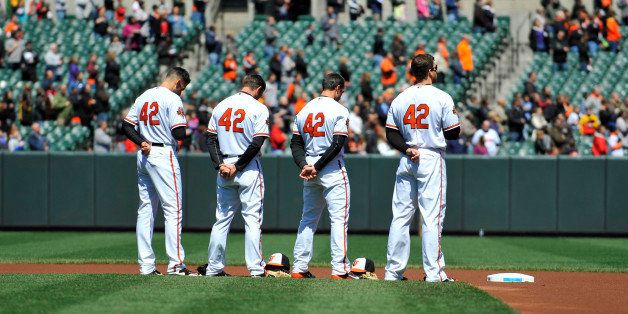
[(424, 82), (328, 93), (246, 91)]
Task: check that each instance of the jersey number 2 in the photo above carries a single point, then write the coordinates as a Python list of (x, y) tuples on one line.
[(149, 117), (416, 121), (312, 127), (226, 118)]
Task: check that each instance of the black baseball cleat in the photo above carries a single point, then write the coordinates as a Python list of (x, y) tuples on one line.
[(154, 273), (404, 278), (202, 270)]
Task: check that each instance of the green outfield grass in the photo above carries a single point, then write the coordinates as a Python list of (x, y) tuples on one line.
[(136, 294), (508, 253)]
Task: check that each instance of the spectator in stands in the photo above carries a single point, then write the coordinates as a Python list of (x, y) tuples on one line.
[(101, 25), (366, 90), (355, 120), (231, 45), (36, 141), (355, 9), (110, 8), (275, 65), (542, 142), (480, 148), (14, 47), (41, 9), (48, 82), (398, 49), (453, 7), (613, 32), (115, 46), (389, 72), (270, 35), (309, 34), (15, 140), (484, 16), (516, 122), (593, 28), (530, 87), (607, 115), (458, 73), (465, 53), (101, 105), (138, 11), (272, 91), (4, 141), (73, 68), (573, 119), (154, 25), (559, 52), (594, 100), (561, 136), (376, 8), (287, 67), (102, 140), (198, 11), (229, 68), (278, 138), (600, 146), (132, 34), (329, 23), (112, 71), (12, 25), (212, 45), (60, 9), (623, 5), (615, 143), (26, 113), (177, 22), (92, 70), (583, 54), (343, 69), (589, 122), (378, 48), (61, 105), (538, 120), (29, 61), (249, 64), (539, 38), (120, 12), (490, 137), (300, 64)]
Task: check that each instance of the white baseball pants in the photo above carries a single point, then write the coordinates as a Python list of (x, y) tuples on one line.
[(244, 193), (159, 182), (423, 185), (329, 189)]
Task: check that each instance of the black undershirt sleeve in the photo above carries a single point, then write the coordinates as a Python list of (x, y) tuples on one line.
[(395, 139), (178, 133), (452, 134), (250, 152), (132, 134), (298, 150), (214, 149), (332, 151)]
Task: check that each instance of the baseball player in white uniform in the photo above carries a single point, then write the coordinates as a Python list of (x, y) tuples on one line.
[(155, 122), (419, 121), (319, 135), (236, 132)]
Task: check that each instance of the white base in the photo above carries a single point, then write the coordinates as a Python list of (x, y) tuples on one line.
[(510, 277)]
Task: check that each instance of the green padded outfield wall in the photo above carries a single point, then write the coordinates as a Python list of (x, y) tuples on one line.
[(516, 194)]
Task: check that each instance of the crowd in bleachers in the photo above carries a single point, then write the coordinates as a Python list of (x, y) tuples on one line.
[(66, 71), (574, 99)]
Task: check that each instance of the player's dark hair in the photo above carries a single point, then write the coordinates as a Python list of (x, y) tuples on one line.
[(178, 73), (333, 80), (254, 81), (421, 65)]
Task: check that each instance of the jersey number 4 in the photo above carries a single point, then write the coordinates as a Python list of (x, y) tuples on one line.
[(416, 121), (149, 117), (238, 117), (313, 124)]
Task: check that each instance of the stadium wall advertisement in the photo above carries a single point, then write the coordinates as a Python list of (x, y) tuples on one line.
[(505, 194)]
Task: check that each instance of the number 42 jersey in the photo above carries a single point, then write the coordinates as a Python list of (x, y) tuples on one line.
[(319, 120), (155, 113), (236, 121), (421, 114)]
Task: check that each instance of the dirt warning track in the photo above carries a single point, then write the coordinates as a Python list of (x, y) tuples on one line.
[(552, 292)]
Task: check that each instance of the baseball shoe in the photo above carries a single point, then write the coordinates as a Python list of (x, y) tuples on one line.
[(304, 275), (345, 276), (154, 273), (182, 272), (262, 275), (448, 279), (202, 270)]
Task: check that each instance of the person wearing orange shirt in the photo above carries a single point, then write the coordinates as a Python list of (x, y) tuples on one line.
[(249, 63), (12, 25), (613, 33), (442, 48), (389, 73), (278, 138), (465, 53), (300, 103), (600, 147), (229, 68)]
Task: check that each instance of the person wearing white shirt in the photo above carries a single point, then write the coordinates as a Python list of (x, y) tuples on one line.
[(491, 138), (355, 121)]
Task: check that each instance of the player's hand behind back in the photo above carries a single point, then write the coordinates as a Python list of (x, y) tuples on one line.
[(308, 173), (145, 148), (227, 171), (413, 153)]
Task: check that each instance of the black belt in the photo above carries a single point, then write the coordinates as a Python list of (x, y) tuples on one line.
[(158, 144), (230, 156)]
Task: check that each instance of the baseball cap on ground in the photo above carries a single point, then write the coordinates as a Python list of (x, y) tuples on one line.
[(278, 265), (363, 268)]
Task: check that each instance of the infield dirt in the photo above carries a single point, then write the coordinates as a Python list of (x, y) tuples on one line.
[(552, 292)]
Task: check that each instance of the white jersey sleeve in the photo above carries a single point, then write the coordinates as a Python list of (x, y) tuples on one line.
[(450, 115), (211, 126), (342, 123), (260, 125), (131, 116), (391, 116), (177, 114)]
